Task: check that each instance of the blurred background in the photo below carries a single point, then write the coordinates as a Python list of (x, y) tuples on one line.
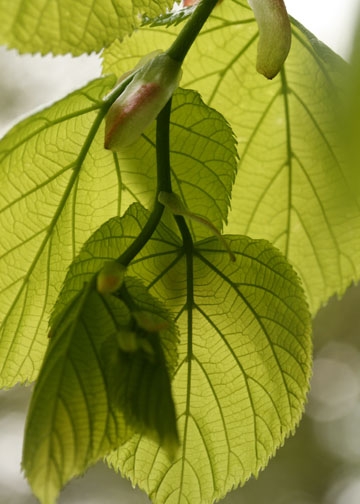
[(321, 463)]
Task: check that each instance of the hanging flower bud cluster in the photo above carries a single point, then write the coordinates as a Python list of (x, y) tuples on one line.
[(275, 35), (140, 103)]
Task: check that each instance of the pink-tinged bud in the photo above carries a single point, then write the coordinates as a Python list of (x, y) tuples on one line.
[(275, 35), (110, 278), (141, 101)]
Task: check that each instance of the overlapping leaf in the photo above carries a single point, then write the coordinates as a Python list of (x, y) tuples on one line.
[(203, 160), (61, 26), (72, 421), (91, 394), (47, 170), (244, 356), (58, 185), (291, 186)]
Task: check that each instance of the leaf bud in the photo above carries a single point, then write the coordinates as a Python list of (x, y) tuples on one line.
[(141, 101), (127, 340), (275, 35), (110, 278)]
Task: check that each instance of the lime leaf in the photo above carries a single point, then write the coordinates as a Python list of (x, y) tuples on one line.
[(203, 160), (67, 26), (244, 366), (292, 187), (244, 356), (105, 244), (50, 164), (105, 375), (72, 421)]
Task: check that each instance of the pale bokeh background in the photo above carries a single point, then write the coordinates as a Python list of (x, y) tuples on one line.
[(321, 463)]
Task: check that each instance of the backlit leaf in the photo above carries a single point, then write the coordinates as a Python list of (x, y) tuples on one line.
[(352, 113), (203, 160), (73, 421), (51, 164), (94, 389), (244, 356), (61, 26)]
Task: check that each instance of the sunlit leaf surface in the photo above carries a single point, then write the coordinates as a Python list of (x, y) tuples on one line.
[(50, 164), (62, 26), (102, 378), (203, 160), (244, 356), (72, 421)]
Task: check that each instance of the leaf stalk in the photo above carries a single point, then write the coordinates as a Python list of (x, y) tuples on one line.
[(191, 30)]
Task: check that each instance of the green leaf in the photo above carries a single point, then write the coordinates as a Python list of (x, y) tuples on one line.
[(94, 389), (292, 187), (50, 163), (244, 356), (141, 373), (72, 420), (67, 26), (203, 160), (352, 114), (59, 185)]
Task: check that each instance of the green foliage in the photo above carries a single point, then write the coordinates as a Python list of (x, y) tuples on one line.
[(92, 388), (246, 365), (291, 187), (56, 159), (352, 117), (66, 26), (72, 421), (173, 17), (50, 162), (182, 358)]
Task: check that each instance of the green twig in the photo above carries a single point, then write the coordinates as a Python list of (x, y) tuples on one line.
[(188, 34), (163, 184)]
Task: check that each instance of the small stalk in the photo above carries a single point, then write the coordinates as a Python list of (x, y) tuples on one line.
[(191, 30)]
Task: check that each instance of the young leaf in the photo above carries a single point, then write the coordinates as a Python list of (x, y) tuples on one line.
[(96, 387), (203, 160), (94, 254), (141, 376), (291, 186), (68, 26), (72, 420), (244, 356)]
